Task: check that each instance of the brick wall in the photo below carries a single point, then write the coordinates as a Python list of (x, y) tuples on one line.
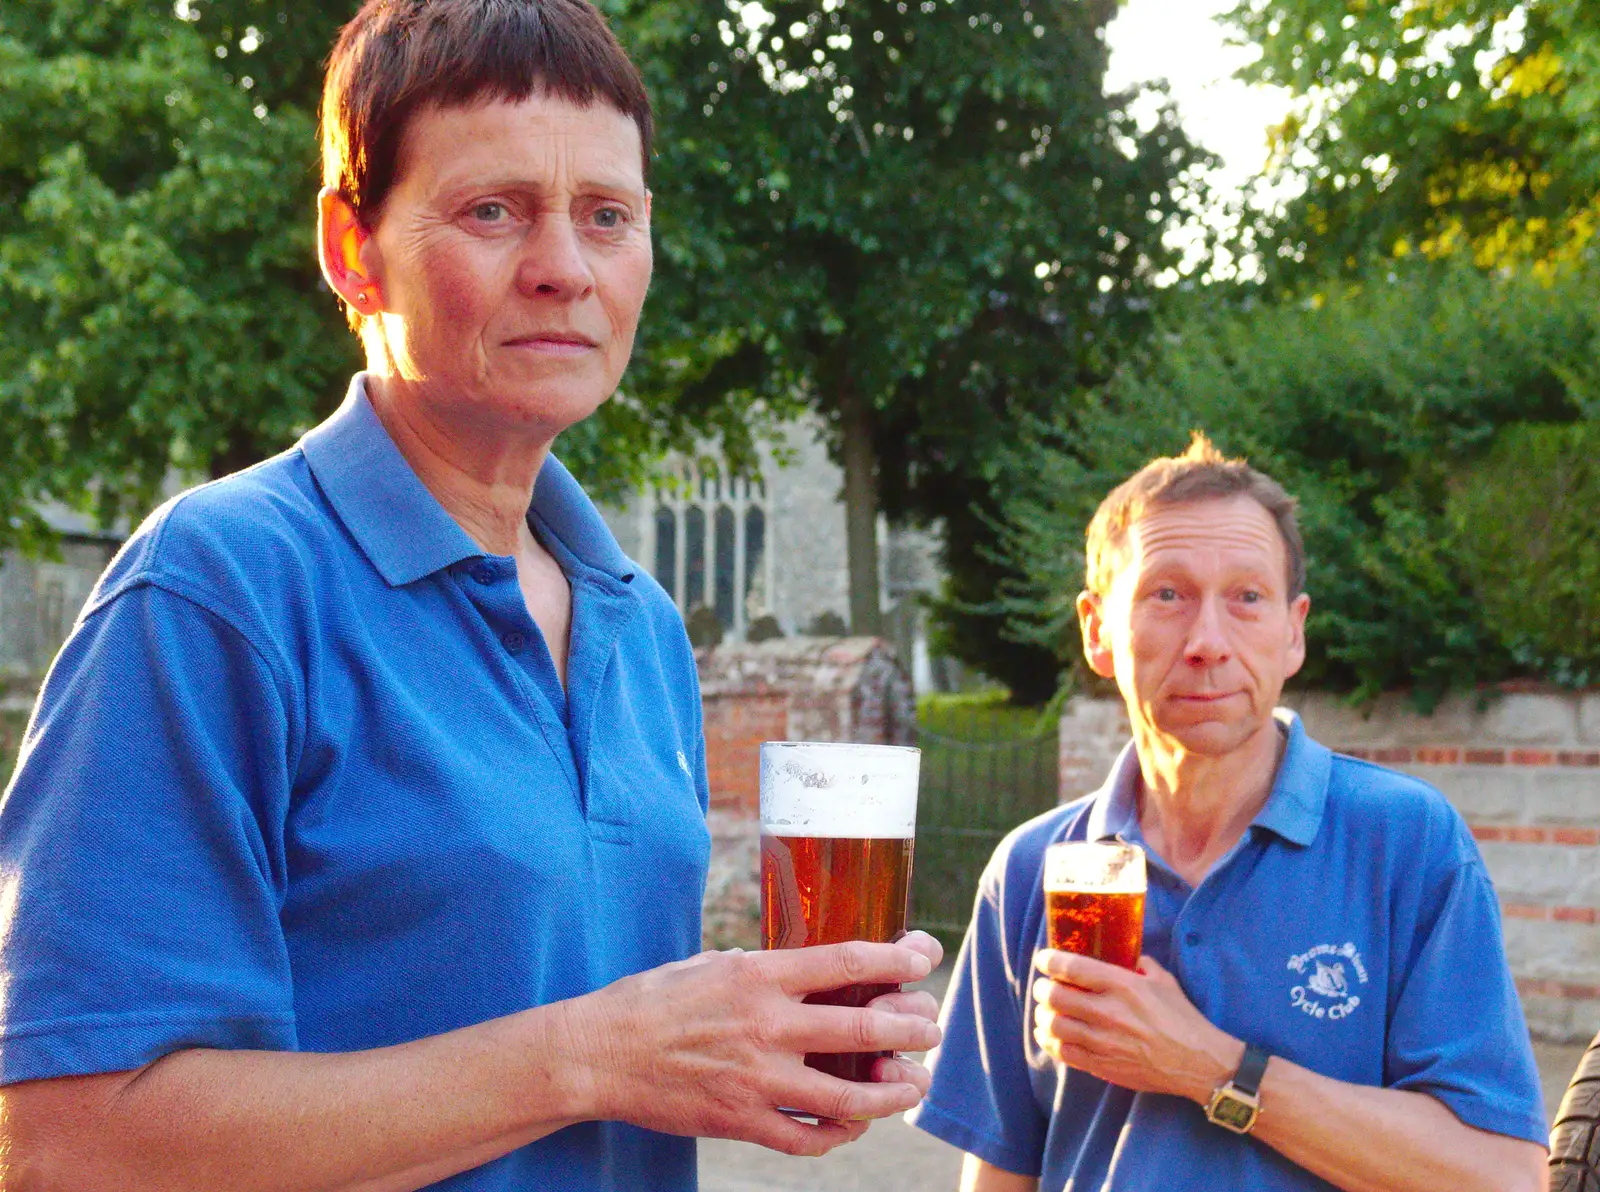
[(789, 689), (1523, 768)]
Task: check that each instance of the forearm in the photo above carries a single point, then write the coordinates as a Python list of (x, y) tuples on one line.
[(387, 1120), (1364, 1139)]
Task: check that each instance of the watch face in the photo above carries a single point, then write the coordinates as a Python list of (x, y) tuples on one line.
[(1235, 1114)]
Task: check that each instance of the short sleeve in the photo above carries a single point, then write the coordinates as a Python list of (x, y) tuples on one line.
[(982, 1098), (1456, 1032), (141, 859)]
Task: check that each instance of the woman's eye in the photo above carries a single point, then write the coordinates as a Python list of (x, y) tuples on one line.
[(1167, 594)]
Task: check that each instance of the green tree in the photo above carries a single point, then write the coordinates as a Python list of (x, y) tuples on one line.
[(159, 291), (1439, 128), (1373, 408), (923, 220)]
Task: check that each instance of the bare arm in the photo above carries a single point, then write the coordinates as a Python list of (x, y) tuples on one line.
[(978, 1176), (1140, 1031), (709, 1046)]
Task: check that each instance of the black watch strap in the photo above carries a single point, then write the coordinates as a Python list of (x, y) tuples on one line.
[(1251, 1069)]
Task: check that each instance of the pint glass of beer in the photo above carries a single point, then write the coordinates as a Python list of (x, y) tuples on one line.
[(1094, 899), (838, 822)]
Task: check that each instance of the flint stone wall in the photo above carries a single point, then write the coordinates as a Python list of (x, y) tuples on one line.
[(1522, 767), (788, 689)]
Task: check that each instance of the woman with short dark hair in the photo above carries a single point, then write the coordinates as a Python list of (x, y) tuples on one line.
[(358, 840)]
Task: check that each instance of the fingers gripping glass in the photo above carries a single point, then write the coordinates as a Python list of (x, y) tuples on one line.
[(1094, 900), (838, 823)]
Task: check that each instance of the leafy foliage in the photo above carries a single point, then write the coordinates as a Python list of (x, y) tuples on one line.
[(1445, 127), (924, 221), (1523, 520), (1366, 407)]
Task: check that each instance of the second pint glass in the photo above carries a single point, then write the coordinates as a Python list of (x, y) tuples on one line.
[(838, 824), (1094, 899)]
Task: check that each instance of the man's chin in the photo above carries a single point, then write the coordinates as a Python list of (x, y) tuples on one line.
[(1207, 730)]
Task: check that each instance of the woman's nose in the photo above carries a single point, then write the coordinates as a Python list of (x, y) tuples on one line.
[(553, 263)]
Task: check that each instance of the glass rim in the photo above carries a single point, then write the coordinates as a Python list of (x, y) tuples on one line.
[(839, 745)]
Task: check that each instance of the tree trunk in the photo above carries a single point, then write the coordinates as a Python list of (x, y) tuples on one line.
[(860, 508)]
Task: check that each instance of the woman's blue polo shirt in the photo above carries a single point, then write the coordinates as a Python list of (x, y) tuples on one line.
[(1352, 930), (304, 778)]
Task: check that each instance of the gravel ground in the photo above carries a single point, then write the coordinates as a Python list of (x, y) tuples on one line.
[(895, 1157)]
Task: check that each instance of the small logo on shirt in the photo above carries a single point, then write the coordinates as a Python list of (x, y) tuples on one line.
[(683, 763), (1326, 973)]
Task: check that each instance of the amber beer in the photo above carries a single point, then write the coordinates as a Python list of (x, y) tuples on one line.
[(1094, 900), (838, 825)]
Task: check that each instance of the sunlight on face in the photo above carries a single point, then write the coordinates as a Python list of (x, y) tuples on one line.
[(513, 256), (1198, 629)]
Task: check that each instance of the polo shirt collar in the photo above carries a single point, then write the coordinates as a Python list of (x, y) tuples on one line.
[(1293, 810), (401, 527)]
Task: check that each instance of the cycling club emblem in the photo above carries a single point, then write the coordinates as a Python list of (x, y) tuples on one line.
[(1328, 976)]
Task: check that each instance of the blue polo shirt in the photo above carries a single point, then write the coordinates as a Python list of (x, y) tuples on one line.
[(304, 778), (1352, 930)]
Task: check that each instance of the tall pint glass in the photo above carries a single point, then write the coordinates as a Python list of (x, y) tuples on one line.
[(1094, 899), (838, 823)]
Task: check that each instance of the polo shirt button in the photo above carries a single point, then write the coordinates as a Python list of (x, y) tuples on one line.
[(514, 641), (1192, 938), (483, 574)]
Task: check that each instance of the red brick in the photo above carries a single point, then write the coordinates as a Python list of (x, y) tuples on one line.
[(1398, 755), (1583, 836), (1574, 914), (1578, 758), (1525, 910), (1575, 990), (1442, 756), (1532, 757), (1521, 834), (1487, 832), (1361, 754), (1485, 757)]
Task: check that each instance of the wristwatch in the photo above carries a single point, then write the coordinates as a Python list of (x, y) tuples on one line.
[(1236, 1105)]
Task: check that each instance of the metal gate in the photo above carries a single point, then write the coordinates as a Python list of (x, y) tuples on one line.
[(980, 778)]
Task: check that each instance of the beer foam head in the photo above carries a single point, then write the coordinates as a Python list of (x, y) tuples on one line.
[(829, 788), (1104, 867)]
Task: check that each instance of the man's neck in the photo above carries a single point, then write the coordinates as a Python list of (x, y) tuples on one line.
[(483, 479), (1194, 808)]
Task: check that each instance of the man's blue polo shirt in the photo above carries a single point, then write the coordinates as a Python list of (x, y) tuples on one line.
[(1352, 930), (305, 778)]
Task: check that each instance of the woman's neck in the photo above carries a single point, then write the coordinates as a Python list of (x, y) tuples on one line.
[(482, 475)]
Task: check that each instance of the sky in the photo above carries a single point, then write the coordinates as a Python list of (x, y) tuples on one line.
[(1181, 41)]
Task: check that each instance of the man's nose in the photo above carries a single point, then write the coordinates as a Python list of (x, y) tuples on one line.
[(1208, 638), (553, 263)]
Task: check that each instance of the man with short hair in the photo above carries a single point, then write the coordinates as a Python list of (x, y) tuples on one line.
[(1323, 1000)]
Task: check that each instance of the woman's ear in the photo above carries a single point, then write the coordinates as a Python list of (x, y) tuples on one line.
[(343, 246)]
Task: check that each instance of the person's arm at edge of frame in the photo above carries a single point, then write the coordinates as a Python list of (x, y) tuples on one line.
[(395, 1119), (979, 1176), (1139, 1030)]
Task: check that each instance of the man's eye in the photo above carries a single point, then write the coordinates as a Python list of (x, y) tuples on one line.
[(488, 212), (1167, 594), (1250, 596), (609, 217)]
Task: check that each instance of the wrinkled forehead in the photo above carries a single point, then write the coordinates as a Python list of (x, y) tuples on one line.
[(1224, 535)]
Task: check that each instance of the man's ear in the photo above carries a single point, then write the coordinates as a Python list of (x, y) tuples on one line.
[(1298, 608), (343, 248), (1096, 643)]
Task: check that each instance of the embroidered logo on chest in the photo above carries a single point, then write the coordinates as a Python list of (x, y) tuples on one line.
[(1327, 978)]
